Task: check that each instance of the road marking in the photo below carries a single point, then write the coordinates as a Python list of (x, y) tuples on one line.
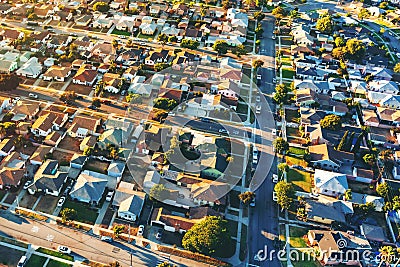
[(50, 237), (35, 229)]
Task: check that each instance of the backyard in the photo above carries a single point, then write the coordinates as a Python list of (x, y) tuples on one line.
[(292, 115), (301, 180), (288, 73), (85, 213), (96, 166)]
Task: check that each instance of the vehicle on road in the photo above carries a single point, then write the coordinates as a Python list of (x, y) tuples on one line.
[(22, 261), (106, 102), (107, 239), (27, 184), (158, 235), (92, 107), (273, 131), (274, 196), (33, 95), (224, 131), (258, 98), (274, 80), (259, 77), (109, 195), (61, 201), (258, 109), (64, 249), (273, 37), (253, 202), (314, 195), (140, 230), (275, 178), (171, 114)]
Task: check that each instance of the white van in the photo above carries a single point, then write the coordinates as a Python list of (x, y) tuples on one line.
[(22, 262)]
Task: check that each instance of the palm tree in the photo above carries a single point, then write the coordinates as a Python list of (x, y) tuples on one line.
[(386, 254)]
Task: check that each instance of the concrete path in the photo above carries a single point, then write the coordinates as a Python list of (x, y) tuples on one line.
[(100, 217), (36, 202)]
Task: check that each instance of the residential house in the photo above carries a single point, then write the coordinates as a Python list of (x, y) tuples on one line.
[(148, 28), (47, 122), (40, 154), (78, 161), (327, 211), (53, 139), (6, 147), (328, 158), (30, 69), (24, 111), (330, 183), (172, 222), (329, 245), (128, 201), (88, 189), (83, 20), (116, 168), (102, 22), (57, 73), (12, 169), (82, 126), (158, 56), (86, 75), (8, 66), (88, 141), (359, 199), (391, 101), (5, 104), (103, 50), (384, 86), (48, 179)]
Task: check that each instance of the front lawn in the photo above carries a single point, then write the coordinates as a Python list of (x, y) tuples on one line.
[(55, 254), (96, 166), (53, 263), (297, 151), (288, 73), (296, 237), (292, 115), (118, 32), (234, 199), (36, 260), (9, 256), (84, 214), (302, 181), (290, 131)]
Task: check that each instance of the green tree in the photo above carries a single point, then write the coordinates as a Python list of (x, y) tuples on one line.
[(281, 94), (343, 141), (387, 255), (247, 197), (294, 14), (68, 214), (279, 12), (159, 192), (370, 159), (397, 67), (165, 264), (364, 14), (9, 82), (165, 103), (339, 52), (189, 44), (325, 24), (159, 115), (96, 102), (383, 5), (259, 30), (221, 47), (280, 145), (383, 189), (172, 39), (348, 195), (240, 50), (257, 64), (365, 209), (68, 97), (355, 49), (133, 98), (161, 66), (118, 229), (209, 236), (339, 41), (331, 122), (285, 194), (102, 7), (258, 15), (283, 167)]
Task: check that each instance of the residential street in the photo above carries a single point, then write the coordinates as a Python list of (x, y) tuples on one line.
[(51, 235), (263, 217)]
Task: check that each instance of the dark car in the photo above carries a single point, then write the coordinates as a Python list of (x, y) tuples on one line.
[(106, 102), (92, 107)]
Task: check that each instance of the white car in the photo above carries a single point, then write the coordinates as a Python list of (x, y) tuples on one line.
[(275, 178), (258, 109), (225, 131), (109, 195), (64, 249), (274, 80), (258, 76), (171, 114), (33, 95), (22, 261), (27, 184), (258, 98), (253, 202), (273, 37), (140, 230), (274, 196), (61, 201), (16, 99), (107, 239), (273, 131)]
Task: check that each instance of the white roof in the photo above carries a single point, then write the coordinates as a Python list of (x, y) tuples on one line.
[(331, 181)]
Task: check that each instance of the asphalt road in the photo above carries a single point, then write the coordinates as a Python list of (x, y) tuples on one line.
[(82, 245), (263, 217)]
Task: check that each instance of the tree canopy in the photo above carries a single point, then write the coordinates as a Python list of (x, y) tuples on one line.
[(383, 189), (165, 103), (325, 24), (247, 197), (221, 46), (191, 44), (257, 63), (331, 122), (208, 236), (355, 49), (101, 7), (285, 194), (279, 12), (280, 144), (158, 192), (397, 67)]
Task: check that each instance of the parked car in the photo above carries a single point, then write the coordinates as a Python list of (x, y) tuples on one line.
[(27, 184), (273, 37), (107, 239), (61, 201), (273, 131), (123, 92), (33, 95), (258, 109), (274, 196), (258, 98), (275, 178), (158, 235), (274, 80), (253, 202), (109, 195), (64, 249), (225, 131), (314, 195), (92, 107), (171, 114), (106, 102), (259, 77), (140, 230), (22, 261)]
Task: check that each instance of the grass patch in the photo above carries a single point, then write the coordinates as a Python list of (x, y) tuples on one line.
[(292, 115), (96, 166), (84, 213), (53, 263), (290, 131), (118, 32), (301, 180), (242, 108), (288, 73), (296, 236), (144, 36), (36, 260), (297, 151), (55, 254)]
